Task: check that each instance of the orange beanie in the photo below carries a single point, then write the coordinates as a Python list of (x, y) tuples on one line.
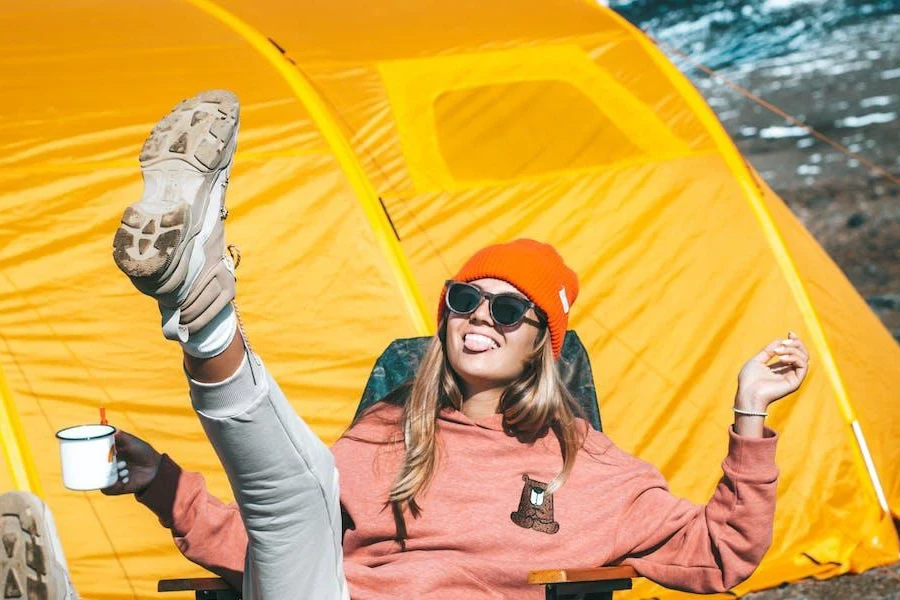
[(537, 270)]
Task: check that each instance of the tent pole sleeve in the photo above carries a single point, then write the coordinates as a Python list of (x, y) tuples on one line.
[(754, 196), (870, 466), (14, 445), (333, 135)]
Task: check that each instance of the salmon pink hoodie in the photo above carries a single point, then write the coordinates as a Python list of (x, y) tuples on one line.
[(487, 520)]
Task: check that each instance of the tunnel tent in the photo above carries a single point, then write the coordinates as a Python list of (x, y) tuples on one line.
[(380, 145)]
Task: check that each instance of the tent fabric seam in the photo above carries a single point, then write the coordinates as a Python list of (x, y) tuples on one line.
[(361, 185)]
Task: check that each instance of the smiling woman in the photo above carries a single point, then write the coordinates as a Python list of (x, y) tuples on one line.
[(484, 461)]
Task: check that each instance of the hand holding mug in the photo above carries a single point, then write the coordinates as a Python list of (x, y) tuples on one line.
[(138, 464)]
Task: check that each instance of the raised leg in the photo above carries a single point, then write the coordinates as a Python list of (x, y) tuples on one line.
[(284, 480), (171, 244)]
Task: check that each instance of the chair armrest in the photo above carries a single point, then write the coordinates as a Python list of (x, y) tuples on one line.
[(581, 575), (571, 584), (190, 585)]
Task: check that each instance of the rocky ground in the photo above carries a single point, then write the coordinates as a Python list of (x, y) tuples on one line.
[(877, 584)]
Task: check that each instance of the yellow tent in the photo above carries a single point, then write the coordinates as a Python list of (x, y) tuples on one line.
[(382, 143)]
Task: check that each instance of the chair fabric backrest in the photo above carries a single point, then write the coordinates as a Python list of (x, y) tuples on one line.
[(399, 362)]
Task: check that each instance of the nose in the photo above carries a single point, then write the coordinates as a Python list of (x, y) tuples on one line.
[(482, 312)]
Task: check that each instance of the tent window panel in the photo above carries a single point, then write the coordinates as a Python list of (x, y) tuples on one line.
[(630, 65), (525, 128)]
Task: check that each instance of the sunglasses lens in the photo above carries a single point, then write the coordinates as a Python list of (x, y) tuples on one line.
[(508, 310), (462, 298)]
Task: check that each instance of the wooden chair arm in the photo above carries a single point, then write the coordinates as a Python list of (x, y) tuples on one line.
[(580, 575), (203, 587), (598, 583), (190, 585)]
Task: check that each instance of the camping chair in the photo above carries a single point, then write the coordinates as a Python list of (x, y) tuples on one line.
[(398, 364)]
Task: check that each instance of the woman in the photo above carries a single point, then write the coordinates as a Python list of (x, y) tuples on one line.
[(477, 473)]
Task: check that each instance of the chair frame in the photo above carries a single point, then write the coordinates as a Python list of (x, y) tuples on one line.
[(597, 583)]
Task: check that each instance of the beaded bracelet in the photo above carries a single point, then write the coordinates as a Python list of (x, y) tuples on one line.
[(749, 413)]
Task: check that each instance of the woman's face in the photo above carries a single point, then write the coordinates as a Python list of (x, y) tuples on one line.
[(486, 355)]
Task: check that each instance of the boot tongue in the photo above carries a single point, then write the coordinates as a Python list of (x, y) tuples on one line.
[(477, 343)]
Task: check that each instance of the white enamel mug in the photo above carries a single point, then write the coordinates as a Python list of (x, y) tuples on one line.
[(88, 455)]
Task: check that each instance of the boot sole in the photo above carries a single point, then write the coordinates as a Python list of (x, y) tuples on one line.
[(197, 137), (24, 554)]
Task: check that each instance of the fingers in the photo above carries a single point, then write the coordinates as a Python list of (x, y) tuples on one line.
[(793, 360), (791, 355), (793, 341), (792, 350), (768, 352), (789, 347), (120, 486)]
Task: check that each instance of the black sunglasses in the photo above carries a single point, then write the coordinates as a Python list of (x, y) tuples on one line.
[(506, 308)]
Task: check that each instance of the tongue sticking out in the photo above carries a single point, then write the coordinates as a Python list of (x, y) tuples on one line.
[(478, 343)]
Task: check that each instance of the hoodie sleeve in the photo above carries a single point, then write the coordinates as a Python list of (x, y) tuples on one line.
[(709, 548), (207, 531)]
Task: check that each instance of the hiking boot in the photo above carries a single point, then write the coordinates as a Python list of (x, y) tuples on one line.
[(172, 242), (32, 564)]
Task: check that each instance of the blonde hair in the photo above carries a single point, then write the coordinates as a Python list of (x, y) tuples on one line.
[(537, 401)]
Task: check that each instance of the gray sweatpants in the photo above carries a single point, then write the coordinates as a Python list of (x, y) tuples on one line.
[(284, 481)]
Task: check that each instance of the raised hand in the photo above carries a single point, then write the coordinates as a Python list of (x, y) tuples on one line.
[(762, 381), (138, 464)]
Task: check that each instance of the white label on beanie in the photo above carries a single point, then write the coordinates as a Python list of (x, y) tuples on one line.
[(564, 300)]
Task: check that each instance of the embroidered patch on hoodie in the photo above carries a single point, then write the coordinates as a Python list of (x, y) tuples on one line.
[(535, 507)]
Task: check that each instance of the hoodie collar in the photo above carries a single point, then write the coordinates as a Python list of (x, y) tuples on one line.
[(494, 421)]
